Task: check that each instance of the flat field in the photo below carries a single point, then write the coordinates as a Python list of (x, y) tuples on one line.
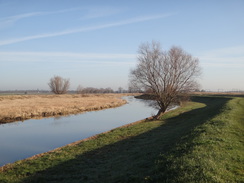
[(21, 107)]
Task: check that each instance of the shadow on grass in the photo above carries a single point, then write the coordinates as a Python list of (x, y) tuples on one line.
[(131, 159)]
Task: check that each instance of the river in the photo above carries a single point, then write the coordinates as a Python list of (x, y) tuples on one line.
[(20, 140)]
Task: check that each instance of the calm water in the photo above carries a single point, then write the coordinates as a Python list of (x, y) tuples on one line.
[(20, 140)]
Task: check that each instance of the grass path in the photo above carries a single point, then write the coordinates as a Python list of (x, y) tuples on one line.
[(199, 142)]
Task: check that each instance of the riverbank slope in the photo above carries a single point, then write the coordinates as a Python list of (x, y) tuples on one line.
[(199, 142)]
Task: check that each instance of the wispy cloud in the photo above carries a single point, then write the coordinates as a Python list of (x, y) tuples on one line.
[(67, 57), (232, 57), (229, 51), (86, 13), (100, 12), (223, 65), (8, 21), (85, 29)]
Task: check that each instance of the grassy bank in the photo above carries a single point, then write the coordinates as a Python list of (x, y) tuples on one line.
[(199, 142), (211, 152), (21, 107)]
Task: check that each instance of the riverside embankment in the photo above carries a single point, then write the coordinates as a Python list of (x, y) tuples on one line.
[(200, 142)]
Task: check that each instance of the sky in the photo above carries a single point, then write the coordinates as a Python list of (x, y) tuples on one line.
[(95, 43)]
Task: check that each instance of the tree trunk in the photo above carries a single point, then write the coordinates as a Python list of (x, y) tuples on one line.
[(159, 114)]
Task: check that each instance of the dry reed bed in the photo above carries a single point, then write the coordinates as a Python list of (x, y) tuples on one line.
[(21, 107)]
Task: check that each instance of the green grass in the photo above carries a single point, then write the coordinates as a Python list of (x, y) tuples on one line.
[(212, 152), (199, 142)]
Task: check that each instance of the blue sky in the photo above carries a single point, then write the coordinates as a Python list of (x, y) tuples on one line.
[(95, 43)]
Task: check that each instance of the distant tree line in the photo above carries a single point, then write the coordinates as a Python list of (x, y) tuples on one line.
[(59, 85), (81, 90)]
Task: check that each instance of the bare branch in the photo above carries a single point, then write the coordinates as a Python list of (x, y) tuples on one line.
[(58, 85), (167, 73)]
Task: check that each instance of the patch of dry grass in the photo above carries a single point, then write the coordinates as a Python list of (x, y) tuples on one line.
[(235, 94), (21, 107)]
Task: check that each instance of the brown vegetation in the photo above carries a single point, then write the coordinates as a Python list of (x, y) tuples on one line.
[(21, 107)]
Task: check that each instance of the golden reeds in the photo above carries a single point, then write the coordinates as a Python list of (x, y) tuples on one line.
[(21, 107)]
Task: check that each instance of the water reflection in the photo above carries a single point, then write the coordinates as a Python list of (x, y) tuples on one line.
[(20, 140)]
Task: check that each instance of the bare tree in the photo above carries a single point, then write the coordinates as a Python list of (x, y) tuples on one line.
[(168, 74), (80, 89), (59, 85)]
